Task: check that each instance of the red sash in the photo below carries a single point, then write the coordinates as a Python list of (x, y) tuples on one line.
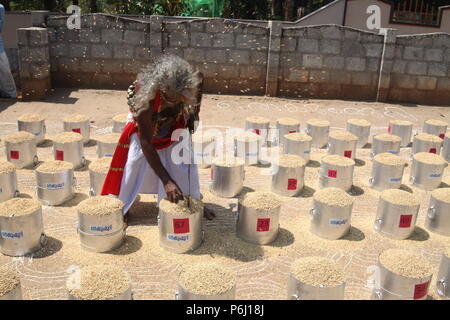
[(113, 179)]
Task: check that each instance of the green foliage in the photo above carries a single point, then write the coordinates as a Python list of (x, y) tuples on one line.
[(249, 9)]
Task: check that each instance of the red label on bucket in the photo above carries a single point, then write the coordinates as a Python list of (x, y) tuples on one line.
[(212, 174), (256, 131), (348, 153), (332, 173), (433, 150), (77, 130), (263, 225), (405, 221), (14, 154), (181, 226), (293, 131), (292, 184), (59, 155), (389, 129), (442, 135), (421, 290)]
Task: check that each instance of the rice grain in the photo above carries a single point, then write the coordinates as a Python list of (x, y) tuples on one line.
[(405, 263), (400, 197), (428, 137), (318, 123), (441, 194), (359, 122), (337, 160), (206, 279), (181, 208), (343, 135), (6, 167), (30, 117), (228, 162), (18, 137), (109, 138), (387, 137), (296, 136), (101, 165), (258, 119), (290, 161), (429, 158), (247, 137), (435, 122), (18, 207), (100, 205), (98, 282), (389, 159), (318, 271), (334, 197), (9, 280), (67, 137), (260, 200), (401, 123), (288, 122), (54, 166), (76, 118)]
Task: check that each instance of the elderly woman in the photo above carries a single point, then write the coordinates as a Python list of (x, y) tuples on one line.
[(165, 97)]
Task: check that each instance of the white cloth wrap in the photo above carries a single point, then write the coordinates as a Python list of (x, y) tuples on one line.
[(139, 177), (7, 85)]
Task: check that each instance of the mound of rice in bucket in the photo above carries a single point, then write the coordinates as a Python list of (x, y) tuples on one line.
[(288, 178), (55, 182), (118, 122), (427, 170), (100, 223), (68, 146), (10, 288), (435, 127), (106, 144), (227, 176), (404, 275), (336, 171), (181, 224), (318, 130), (298, 144), (206, 281), (258, 125), (438, 217), (331, 213), (258, 217), (387, 171), (286, 126), (316, 278), (20, 149), (443, 276), (402, 129), (342, 143), (385, 143), (78, 123), (8, 181), (99, 282), (361, 129), (397, 214), (21, 227), (34, 124), (425, 142), (247, 146), (98, 169)]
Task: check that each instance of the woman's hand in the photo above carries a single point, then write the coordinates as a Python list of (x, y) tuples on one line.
[(174, 193)]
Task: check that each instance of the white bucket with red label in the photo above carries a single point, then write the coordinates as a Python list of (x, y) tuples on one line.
[(256, 225), (288, 181), (331, 175), (22, 154), (72, 152), (81, 127), (392, 286)]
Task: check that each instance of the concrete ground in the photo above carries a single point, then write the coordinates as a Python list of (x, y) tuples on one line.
[(262, 270)]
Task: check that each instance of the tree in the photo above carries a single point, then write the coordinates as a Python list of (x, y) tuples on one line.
[(249, 9)]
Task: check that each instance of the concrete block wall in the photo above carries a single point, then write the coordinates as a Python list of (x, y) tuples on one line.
[(34, 62), (241, 57), (231, 55), (107, 52), (421, 69), (329, 61)]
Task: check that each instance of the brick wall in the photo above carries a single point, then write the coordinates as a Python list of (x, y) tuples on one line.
[(244, 57), (421, 69), (330, 62)]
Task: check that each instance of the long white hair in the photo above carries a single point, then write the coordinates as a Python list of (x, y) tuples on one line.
[(170, 74)]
